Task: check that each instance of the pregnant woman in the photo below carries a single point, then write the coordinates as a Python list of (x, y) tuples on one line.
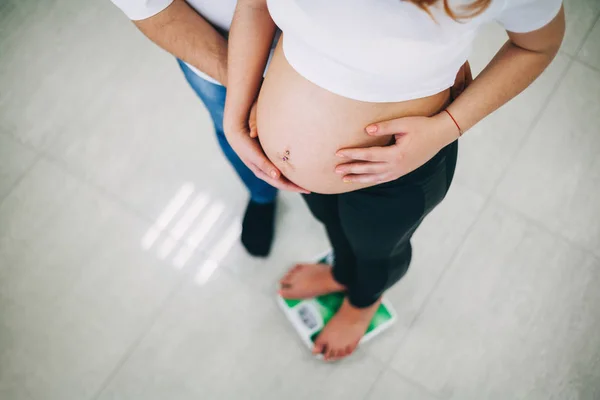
[(356, 109)]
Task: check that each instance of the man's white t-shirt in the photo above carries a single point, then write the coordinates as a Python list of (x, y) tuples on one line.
[(218, 12)]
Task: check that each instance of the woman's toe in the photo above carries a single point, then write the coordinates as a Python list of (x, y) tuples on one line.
[(318, 348), (288, 275), (296, 268), (349, 350), (285, 281), (286, 291)]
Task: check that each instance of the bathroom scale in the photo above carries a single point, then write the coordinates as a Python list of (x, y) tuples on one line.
[(309, 316)]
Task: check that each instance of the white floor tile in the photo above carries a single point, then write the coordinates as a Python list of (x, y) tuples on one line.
[(13, 393), (16, 160), (515, 317), (555, 178), (490, 39), (580, 16), (590, 52)]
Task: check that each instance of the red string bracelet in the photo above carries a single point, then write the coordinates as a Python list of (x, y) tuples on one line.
[(460, 132)]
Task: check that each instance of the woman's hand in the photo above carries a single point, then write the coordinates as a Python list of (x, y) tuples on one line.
[(417, 140), (245, 143), (252, 121)]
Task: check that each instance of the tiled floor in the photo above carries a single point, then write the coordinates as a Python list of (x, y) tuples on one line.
[(108, 292)]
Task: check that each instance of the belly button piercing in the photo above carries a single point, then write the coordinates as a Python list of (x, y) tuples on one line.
[(286, 157)]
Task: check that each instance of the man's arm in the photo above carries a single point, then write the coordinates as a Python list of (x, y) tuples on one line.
[(181, 31)]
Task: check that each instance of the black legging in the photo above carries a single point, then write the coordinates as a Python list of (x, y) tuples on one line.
[(370, 229)]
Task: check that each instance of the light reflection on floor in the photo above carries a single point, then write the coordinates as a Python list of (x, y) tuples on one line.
[(184, 227)]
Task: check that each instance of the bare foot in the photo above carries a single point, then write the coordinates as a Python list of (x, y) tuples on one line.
[(309, 280), (341, 335)]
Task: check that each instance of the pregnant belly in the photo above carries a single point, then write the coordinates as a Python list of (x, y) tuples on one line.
[(301, 126)]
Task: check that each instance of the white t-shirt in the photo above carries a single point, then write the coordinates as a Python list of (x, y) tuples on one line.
[(218, 12), (390, 50)]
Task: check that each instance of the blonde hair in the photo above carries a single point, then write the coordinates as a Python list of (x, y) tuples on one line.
[(466, 11)]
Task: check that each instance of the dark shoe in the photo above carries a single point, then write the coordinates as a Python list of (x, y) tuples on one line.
[(258, 228)]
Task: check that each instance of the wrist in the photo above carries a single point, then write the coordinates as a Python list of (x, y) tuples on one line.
[(446, 129), (230, 127)]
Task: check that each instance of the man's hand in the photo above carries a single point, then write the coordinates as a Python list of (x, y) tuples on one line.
[(418, 139), (245, 143)]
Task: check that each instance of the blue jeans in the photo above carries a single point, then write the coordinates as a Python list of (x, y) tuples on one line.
[(213, 97)]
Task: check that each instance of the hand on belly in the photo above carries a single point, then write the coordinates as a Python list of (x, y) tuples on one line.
[(310, 162)]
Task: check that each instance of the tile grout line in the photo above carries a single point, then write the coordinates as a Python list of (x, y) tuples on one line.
[(24, 143), (375, 381), (377, 378), (416, 384), (586, 36), (84, 180), (546, 229), (586, 64), (35, 161), (404, 378)]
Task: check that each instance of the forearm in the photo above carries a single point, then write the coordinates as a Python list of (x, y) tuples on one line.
[(511, 71), (516, 65), (181, 31), (250, 39)]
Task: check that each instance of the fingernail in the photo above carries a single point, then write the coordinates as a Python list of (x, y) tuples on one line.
[(339, 171), (347, 180), (340, 155), (274, 174), (371, 128)]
